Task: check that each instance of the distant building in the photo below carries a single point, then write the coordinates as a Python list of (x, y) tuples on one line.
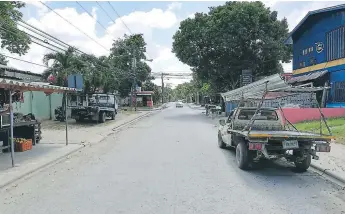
[(319, 52), (13, 73)]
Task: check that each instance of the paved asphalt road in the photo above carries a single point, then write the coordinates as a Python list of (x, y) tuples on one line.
[(168, 163)]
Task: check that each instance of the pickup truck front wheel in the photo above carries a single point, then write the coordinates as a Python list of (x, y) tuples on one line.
[(221, 144), (242, 156), (303, 165)]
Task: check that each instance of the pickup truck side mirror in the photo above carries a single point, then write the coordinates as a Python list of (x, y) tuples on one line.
[(222, 122)]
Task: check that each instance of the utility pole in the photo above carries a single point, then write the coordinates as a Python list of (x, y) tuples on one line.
[(134, 88), (162, 87)]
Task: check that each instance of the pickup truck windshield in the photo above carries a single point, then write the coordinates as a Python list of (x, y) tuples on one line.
[(247, 114)]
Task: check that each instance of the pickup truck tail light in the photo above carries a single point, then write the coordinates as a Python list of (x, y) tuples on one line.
[(255, 146)]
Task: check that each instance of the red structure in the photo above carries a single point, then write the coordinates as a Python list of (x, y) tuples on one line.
[(296, 115), (146, 97)]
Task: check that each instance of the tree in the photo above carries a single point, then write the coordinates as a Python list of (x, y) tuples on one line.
[(3, 60), (230, 38), (13, 39), (122, 55), (63, 65)]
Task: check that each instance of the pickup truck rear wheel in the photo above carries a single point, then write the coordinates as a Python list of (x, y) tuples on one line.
[(242, 156), (303, 165), (102, 117), (221, 144), (113, 115)]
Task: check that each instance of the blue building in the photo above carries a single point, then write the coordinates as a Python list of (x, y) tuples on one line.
[(319, 52)]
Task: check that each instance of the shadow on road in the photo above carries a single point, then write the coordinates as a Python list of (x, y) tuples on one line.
[(266, 167)]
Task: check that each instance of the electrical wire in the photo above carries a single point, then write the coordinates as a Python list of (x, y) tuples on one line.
[(34, 37), (120, 17), (42, 33), (105, 12), (11, 57), (91, 16), (35, 41), (73, 25)]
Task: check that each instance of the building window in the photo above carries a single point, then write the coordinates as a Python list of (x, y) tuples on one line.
[(339, 92), (336, 44)]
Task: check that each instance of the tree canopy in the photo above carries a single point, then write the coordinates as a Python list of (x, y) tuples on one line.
[(113, 73), (11, 38), (219, 44), (3, 60)]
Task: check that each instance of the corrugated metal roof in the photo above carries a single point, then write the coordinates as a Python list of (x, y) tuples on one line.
[(310, 13), (307, 77), (275, 84), (19, 85)]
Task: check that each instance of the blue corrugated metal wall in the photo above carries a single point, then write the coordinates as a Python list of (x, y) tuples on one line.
[(315, 30)]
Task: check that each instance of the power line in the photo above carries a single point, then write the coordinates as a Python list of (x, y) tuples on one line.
[(46, 42), (120, 20), (105, 12), (91, 16), (23, 24), (74, 25), (23, 60), (120, 17)]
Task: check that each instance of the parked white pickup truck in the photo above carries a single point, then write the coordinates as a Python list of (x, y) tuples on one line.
[(268, 138)]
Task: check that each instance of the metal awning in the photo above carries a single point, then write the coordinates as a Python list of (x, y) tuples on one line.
[(307, 77), (34, 86), (14, 85)]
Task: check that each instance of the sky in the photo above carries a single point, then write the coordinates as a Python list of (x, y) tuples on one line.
[(158, 21)]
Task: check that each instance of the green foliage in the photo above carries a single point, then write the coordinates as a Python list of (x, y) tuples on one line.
[(3, 60), (13, 39), (123, 52), (229, 38), (63, 64)]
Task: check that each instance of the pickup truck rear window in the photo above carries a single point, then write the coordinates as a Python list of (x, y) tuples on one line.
[(247, 114)]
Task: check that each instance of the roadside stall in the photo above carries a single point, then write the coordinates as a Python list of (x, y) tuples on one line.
[(17, 131)]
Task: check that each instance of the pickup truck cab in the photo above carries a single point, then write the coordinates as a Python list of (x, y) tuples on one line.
[(268, 138)]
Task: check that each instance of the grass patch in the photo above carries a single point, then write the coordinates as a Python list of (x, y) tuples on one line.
[(337, 126)]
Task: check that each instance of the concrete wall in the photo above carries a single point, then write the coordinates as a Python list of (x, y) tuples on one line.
[(295, 115), (39, 104)]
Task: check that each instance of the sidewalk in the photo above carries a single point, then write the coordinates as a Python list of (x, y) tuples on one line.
[(333, 162), (52, 147)]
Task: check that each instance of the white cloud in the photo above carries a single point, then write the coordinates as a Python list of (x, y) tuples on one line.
[(138, 22), (175, 6)]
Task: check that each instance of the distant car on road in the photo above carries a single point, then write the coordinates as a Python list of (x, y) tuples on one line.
[(179, 105)]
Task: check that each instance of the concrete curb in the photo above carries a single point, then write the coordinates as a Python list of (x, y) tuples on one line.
[(329, 173), (60, 158), (52, 162)]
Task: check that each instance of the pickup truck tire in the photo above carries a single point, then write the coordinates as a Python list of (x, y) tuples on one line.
[(242, 157), (303, 165), (102, 117), (221, 144), (113, 115)]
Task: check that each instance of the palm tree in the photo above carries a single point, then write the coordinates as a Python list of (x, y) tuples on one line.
[(63, 65)]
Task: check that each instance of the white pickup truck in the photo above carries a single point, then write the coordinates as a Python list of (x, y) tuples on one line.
[(268, 138)]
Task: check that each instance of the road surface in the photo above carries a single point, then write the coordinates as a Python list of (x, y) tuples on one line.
[(168, 163)]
